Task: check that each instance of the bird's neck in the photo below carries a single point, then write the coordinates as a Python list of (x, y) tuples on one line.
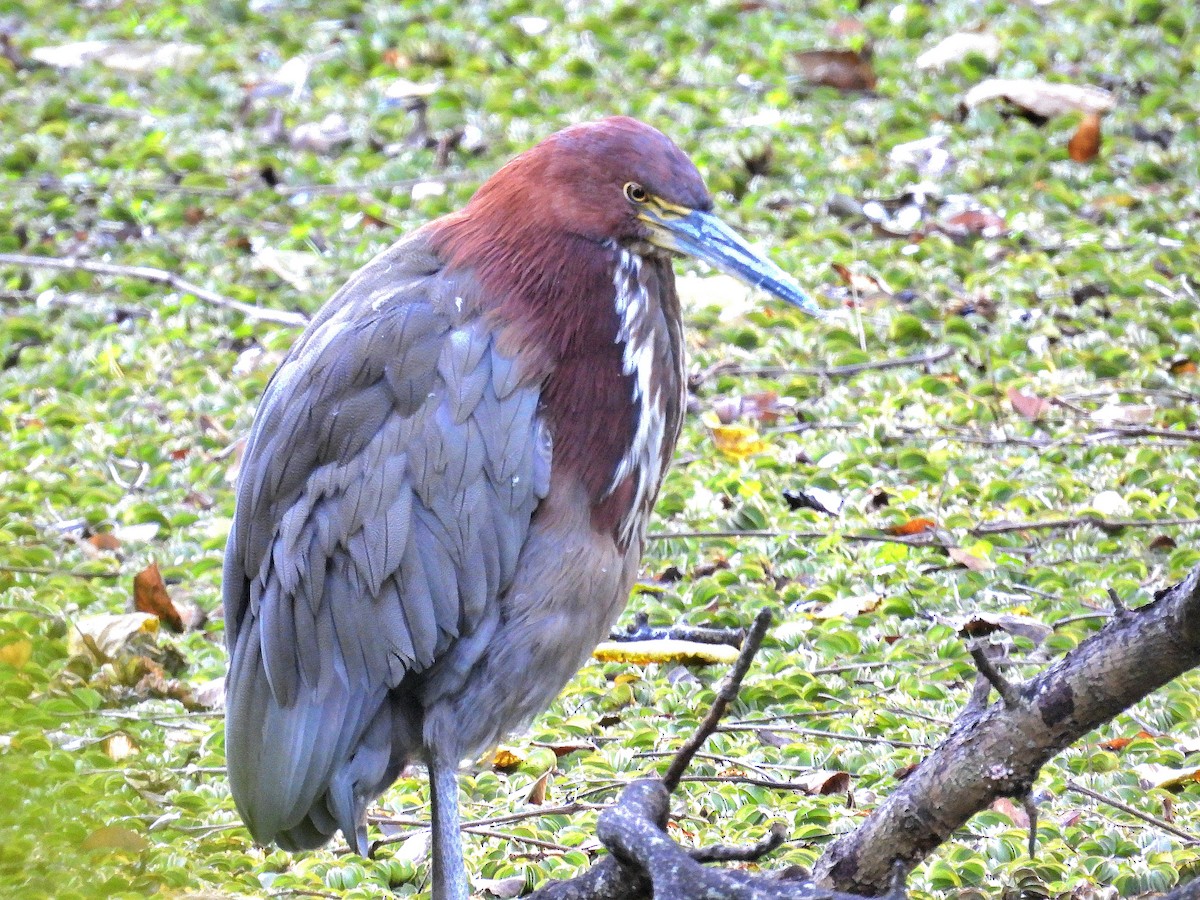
[(602, 326)]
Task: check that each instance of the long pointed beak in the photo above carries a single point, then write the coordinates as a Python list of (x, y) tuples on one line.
[(703, 236)]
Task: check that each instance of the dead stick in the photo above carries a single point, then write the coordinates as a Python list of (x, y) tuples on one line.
[(156, 276)]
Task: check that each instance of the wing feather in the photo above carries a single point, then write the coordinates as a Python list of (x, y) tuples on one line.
[(386, 489)]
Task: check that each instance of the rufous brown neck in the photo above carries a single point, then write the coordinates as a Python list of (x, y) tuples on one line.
[(549, 295)]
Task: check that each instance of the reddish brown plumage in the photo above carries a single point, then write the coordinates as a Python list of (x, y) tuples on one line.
[(543, 237)]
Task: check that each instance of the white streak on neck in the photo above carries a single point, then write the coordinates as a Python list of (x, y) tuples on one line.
[(637, 335)]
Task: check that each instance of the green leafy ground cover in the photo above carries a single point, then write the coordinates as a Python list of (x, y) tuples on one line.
[(119, 399)]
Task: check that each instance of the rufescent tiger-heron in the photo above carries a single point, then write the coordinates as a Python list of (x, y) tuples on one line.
[(443, 500)]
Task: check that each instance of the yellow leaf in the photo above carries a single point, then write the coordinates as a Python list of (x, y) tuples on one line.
[(688, 653), (506, 758), (738, 441), (17, 653)]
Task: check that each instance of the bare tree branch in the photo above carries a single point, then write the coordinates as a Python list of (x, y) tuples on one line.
[(727, 694), (157, 276), (998, 751)]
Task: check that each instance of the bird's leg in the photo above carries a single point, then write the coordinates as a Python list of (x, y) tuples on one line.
[(449, 870)]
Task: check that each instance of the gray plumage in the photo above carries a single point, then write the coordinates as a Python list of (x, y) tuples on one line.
[(386, 578)]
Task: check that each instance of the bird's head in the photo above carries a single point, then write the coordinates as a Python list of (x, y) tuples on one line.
[(621, 181)]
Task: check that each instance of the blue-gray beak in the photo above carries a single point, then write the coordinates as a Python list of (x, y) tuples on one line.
[(703, 236)]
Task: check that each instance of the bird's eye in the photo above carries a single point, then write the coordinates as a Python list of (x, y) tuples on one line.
[(635, 192)]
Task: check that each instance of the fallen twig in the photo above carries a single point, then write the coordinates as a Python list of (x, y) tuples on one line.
[(157, 276)]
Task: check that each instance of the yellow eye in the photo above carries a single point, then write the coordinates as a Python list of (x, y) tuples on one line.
[(635, 193)]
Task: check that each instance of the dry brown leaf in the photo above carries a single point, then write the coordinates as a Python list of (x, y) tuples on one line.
[(1084, 145), (1163, 542), (1027, 406), (150, 596), (911, 527), (565, 748), (974, 223), (825, 782), (210, 694), (765, 407), (1042, 99), (904, 771), (1070, 817), (105, 540), (969, 560), (537, 791), (866, 288), (846, 70), (981, 624)]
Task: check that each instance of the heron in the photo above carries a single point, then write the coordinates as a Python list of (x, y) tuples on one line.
[(443, 499)]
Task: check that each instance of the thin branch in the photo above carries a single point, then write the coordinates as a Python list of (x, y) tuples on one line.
[(727, 694), (506, 836), (924, 539), (1008, 693), (48, 570), (1095, 521), (846, 371), (749, 853), (831, 735), (640, 629), (1136, 813), (156, 276)]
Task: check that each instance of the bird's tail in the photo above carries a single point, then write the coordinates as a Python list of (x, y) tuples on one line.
[(301, 770)]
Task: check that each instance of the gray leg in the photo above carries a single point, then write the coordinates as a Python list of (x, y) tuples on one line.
[(449, 871)]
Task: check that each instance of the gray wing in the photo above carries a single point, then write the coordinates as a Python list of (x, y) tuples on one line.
[(386, 489)]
